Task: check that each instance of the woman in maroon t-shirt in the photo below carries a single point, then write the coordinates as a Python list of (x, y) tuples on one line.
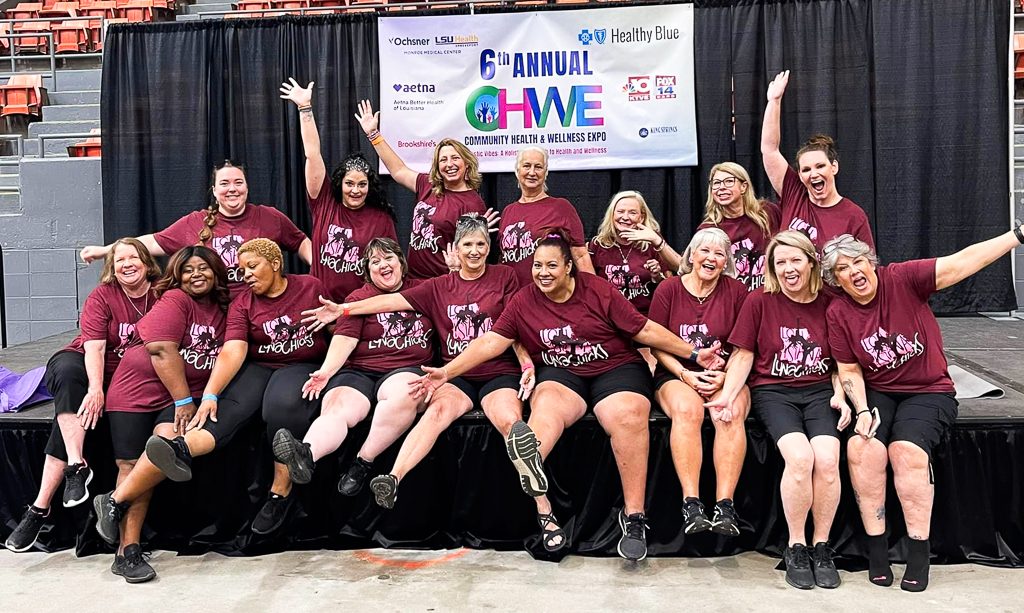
[(808, 196), (581, 330), (523, 221), (701, 306), (224, 226), (888, 347), (443, 195), (781, 343), (153, 392), (463, 306), (350, 207), (78, 376), (750, 223)]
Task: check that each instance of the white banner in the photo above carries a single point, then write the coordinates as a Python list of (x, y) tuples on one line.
[(598, 88)]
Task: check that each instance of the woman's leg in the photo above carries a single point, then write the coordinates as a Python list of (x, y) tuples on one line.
[(685, 408), (342, 409), (731, 447), (796, 487), (624, 416), (503, 408), (825, 482), (913, 485), (53, 474), (395, 411), (448, 404)]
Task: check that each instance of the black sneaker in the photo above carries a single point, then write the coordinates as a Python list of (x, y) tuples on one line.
[(354, 479), (385, 490), (633, 544), (25, 535), (77, 478), (798, 567), (825, 573), (108, 516), (294, 454), (273, 514), (523, 450), (694, 519), (725, 520), (133, 565), (171, 456)]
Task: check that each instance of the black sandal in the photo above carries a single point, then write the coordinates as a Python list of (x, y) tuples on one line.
[(547, 535)]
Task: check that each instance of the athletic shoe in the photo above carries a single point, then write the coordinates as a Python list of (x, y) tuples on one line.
[(825, 573), (798, 567), (385, 490), (133, 565), (633, 544), (352, 482), (25, 535), (523, 450), (77, 478), (725, 521), (694, 519), (108, 516), (273, 514), (171, 456), (294, 454)]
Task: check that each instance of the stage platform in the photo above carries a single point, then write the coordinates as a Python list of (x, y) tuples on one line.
[(465, 493)]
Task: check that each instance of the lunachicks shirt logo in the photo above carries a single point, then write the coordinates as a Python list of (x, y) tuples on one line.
[(890, 351), (800, 355), (401, 329), (285, 336), (517, 243), (424, 234), (340, 252), (468, 323), (203, 348), (565, 350)]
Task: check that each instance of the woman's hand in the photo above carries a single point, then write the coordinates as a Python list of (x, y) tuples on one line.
[(493, 220), (182, 416), (838, 403), (709, 358), (301, 96), (428, 383), (711, 382), (654, 267), (867, 423), (91, 409), (368, 120), (641, 233), (320, 317), (207, 410), (93, 253), (720, 409), (526, 383), (451, 258), (778, 86), (313, 386)]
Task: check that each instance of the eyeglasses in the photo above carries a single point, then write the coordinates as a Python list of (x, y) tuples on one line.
[(836, 243), (729, 182)]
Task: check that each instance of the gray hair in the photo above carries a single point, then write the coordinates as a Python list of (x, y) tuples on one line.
[(847, 245), (519, 160), (468, 224), (716, 237)]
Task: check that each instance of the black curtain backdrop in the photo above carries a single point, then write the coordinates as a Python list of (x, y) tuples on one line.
[(914, 92)]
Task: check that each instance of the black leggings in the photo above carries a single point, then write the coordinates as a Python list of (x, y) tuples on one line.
[(68, 382), (239, 401), (283, 404)]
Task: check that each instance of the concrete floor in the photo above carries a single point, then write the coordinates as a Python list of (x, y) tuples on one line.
[(469, 580)]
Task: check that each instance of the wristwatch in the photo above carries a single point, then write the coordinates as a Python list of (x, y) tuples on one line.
[(694, 354)]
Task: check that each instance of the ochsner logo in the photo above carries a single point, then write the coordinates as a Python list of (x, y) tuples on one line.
[(409, 42)]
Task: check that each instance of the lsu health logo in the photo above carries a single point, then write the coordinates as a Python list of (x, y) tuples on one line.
[(458, 41), (414, 88), (641, 88), (599, 36)]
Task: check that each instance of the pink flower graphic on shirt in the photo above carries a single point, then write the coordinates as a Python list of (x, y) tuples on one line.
[(468, 322), (126, 334), (886, 349), (805, 227), (401, 324), (204, 340), (423, 231), (340, 244), (516, 236), (282, 329), (697, 335), (749, 261), (621, 277), (227, 248), (798, 348)]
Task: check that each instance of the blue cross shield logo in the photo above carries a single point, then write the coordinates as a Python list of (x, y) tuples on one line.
[(585, 37), (600, 36)]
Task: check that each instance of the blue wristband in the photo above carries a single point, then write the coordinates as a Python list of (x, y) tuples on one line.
[(182, 402), (212, 397)]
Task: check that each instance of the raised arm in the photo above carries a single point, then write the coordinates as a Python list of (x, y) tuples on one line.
[(315, 168), (952, 269), (775, 164), (368, 120), (97, 252), (656, 336), (483, 348), (229, 361)]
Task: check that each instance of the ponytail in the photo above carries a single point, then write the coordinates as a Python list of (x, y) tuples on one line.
[(559, 238)]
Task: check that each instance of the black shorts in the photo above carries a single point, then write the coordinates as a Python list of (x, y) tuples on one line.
[(478, 390), (130, 431), (68, 382), (661, 377), (633, 377), (365, 382), (239, 402), (784, 409), (921, 419)]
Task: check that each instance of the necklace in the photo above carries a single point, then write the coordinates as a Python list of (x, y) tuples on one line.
[(625, 257), (700, 299), (135, 308)]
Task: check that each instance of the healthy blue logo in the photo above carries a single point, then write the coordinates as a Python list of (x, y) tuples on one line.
[(600, 36), (585, 37)]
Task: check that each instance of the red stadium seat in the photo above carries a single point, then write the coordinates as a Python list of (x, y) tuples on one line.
[(71, 36), (22, 95), (290, 4), (104, 9), (5, 43), (141, 11), (60, 9), (89, 148), (25, 10), (1018, 55), (31, 44), (356, 8), (251, 5)]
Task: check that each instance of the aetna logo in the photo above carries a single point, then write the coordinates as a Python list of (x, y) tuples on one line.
[(409, 88), (409, 42)]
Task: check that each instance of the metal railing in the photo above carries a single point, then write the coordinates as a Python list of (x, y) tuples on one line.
[(19, 141), (51, 49), (42, 138)]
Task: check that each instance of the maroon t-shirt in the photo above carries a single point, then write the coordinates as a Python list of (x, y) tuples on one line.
[(895, 337), (433, 226), (273, 326), (699, 324), (339, 238), (387, 340), (198, 329), (588, 334), (748, 243), (256, 221), (465, 310), (789, 339), (521, 224), (820, 224), (623, 267), (109, 315)]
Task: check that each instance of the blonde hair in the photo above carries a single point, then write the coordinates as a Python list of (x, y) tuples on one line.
[(473, 178), (519, 160), (716, 237), (606, 231), (799, 240), (752, 207), (263, 247), (152, 268)]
